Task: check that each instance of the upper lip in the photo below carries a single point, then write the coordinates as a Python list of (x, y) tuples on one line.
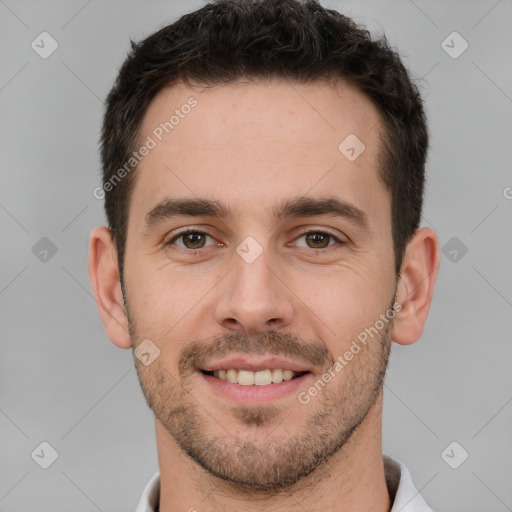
[(255, 364)]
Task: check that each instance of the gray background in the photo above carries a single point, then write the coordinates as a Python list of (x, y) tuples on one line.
[(63, 382)]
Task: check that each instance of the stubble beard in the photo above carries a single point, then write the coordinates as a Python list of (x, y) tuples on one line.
[(266, 463)]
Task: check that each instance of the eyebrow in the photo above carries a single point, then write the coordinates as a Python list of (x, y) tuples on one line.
[(296, 207)]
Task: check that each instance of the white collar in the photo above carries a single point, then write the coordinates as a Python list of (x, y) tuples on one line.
[(398, 478)]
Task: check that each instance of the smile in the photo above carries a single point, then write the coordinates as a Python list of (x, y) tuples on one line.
[(258, 378)]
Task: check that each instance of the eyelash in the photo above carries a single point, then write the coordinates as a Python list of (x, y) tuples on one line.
[(303, 233)]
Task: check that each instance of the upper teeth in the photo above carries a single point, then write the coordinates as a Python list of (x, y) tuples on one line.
[(260, 378)]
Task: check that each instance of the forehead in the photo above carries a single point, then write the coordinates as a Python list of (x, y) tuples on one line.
[(256, 109), (260, 141)]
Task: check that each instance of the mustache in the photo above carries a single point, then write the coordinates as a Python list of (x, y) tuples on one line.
[(272, 343)]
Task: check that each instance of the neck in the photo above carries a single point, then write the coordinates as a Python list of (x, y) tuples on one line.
[(352, 480)]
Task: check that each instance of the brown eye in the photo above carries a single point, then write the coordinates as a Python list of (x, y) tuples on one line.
[(196, 240), (318, 240), (190, 239)]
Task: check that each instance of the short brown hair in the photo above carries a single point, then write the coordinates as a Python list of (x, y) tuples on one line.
[(227, 40)]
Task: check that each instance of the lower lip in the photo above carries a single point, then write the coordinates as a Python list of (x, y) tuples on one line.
[(248, 395)]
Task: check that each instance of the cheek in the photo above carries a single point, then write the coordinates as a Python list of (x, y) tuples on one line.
[(345, 302), (159, 290), (165, 301)]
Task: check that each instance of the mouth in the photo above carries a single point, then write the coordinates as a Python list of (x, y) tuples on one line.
[(263, 377), (249, 381)]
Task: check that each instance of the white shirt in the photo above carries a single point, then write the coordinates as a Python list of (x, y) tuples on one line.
[(404, 495)]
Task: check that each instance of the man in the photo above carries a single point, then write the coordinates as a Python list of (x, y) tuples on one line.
[(263, 178)]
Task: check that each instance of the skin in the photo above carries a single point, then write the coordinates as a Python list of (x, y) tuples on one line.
[(252, 146)]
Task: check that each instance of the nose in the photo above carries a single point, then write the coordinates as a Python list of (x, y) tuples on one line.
[(254, 297)]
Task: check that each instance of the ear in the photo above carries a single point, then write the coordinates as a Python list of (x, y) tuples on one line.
[(416, 285), (106, 285)]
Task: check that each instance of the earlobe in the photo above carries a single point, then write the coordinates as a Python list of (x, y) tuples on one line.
[(104, 276), (416, 285)]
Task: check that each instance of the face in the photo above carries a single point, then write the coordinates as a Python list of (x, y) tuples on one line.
[(286, 262)]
